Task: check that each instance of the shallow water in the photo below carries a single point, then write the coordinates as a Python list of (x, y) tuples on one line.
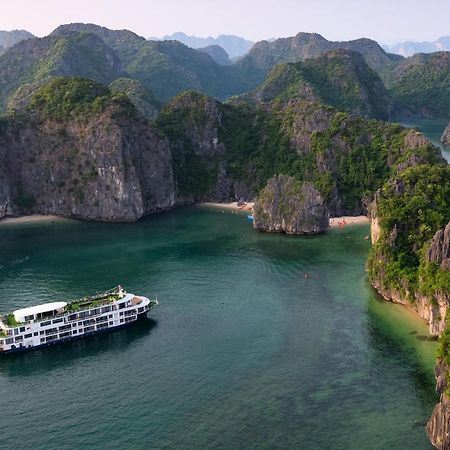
[(432, 129), (243, 351)]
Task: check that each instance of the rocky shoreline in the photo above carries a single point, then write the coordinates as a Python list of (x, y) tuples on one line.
[(434, 309)]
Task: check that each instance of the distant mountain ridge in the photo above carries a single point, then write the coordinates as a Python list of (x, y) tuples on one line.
[(339, 78), (410, 48), (10, 38), (217, 53), (264, 55), (235, 46), (164, 69)]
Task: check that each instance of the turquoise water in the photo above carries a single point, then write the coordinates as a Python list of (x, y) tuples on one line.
[(243, 351), (433, 129)]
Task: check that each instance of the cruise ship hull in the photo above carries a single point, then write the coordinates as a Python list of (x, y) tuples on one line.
[(73, 338), (56, 323)]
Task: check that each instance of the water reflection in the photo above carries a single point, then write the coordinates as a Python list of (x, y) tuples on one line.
[(61, 355)]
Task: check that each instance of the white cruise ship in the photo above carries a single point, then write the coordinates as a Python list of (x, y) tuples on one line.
[(51, 323)]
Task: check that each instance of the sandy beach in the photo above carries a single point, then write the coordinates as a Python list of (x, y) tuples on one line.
[(234, 206), (347, 220), (30, 219), (248, 207)]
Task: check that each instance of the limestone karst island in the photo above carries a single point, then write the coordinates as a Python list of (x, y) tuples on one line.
[(267, 185)]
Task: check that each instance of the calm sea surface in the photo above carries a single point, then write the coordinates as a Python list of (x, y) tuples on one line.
[(433, 129), (243, 351)]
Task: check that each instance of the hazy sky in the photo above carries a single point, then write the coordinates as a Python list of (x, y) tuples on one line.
[(386, 21)]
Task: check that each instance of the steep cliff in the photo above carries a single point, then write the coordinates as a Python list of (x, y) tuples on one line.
[(437, 272), (438, 427), (445, 139), (286, 205), (410, 263), (80, 151), (191, 122)]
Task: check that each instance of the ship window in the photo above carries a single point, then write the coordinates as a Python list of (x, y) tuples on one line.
[(74, 332), (19, 338), (66, 334), (121, 314), (22, 329), (80, 323), (9, 341), (42, 340), (73, 317), (121, 320), (28, 318), (16, 332), (44, 324), (111, 323), (42, 332), (27, 336), (36, 334), (51, 331), (121, 305), (57, 320), (106, 309)]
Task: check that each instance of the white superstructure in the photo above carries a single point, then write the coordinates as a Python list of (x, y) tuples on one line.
[(54, 322)]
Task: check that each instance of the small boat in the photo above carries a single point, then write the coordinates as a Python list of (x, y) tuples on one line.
[(250, 217), (51, 323)]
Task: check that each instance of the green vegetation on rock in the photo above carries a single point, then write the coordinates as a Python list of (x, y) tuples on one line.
[(65, 97), (421, 85), (411, 208)]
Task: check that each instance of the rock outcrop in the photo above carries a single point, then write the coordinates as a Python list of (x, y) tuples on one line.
[(98, 160), (286, 205), (445, 139), (438, 427)]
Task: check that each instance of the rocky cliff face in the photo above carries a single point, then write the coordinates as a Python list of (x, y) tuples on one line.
[(445, 139), (438, 427), (106, 164), (286, 205), (192, 122), (419, 280), (432, 305), (5, 196)]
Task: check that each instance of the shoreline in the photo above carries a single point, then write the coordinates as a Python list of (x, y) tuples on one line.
[(343, 221), (335, 222), (33, 218), (232, 206)]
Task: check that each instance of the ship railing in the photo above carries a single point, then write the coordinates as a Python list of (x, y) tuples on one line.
[(99, 295)]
